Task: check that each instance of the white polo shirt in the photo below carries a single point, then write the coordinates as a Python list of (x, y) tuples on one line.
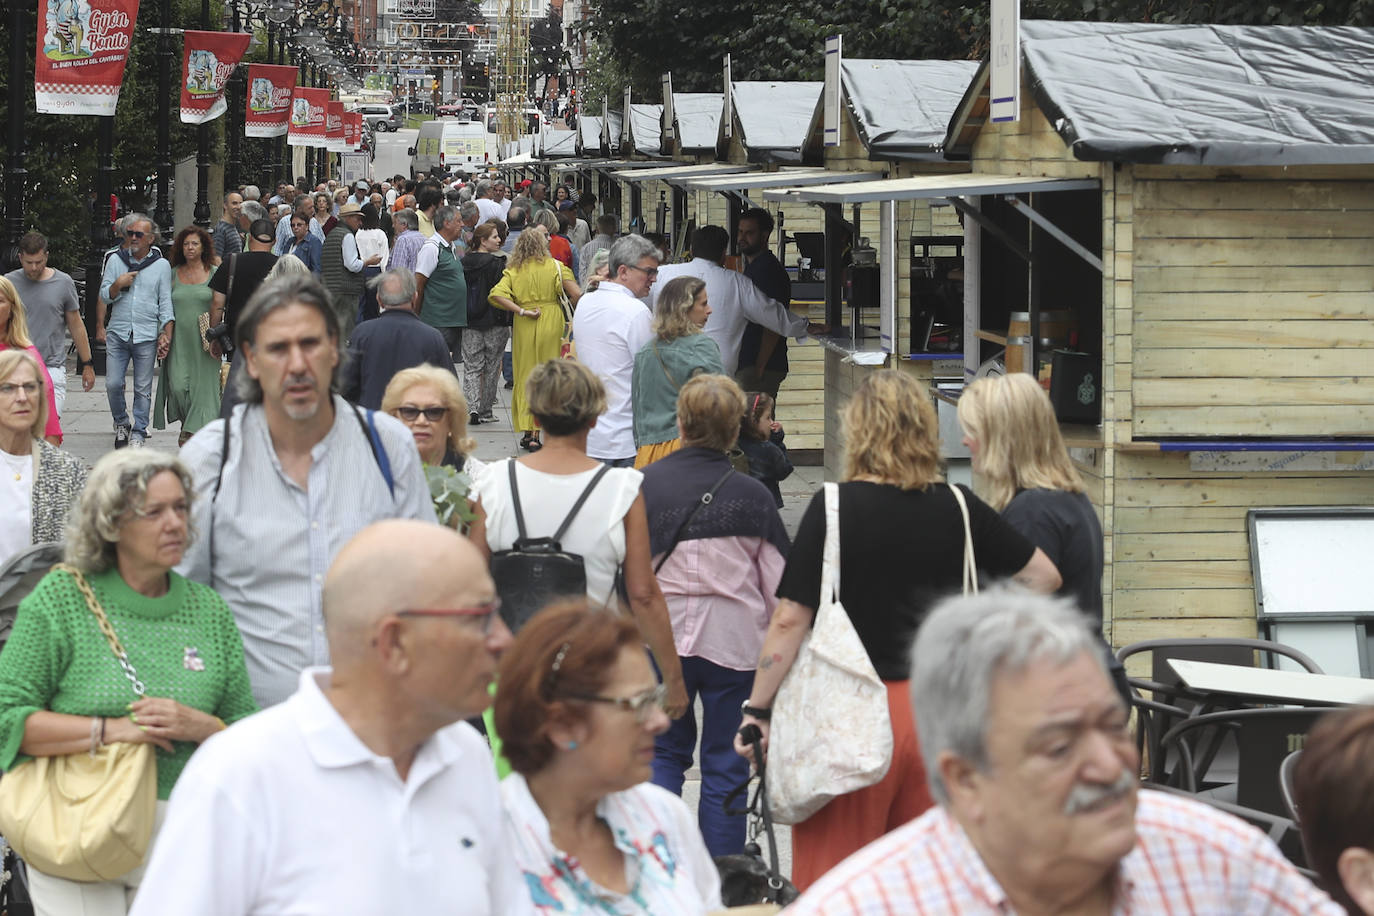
[(610, 326), (288, 813)]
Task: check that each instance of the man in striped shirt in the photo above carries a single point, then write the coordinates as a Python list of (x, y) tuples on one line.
[(1029, 755)]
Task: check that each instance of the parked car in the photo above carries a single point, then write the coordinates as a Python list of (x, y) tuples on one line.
[(383, 118)]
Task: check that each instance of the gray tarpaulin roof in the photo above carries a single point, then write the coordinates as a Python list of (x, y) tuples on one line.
[(774, 117), (698, 118), (646, 128), (589, 127), (1205, 94), (613, 121), (559, 144), (902, 107)]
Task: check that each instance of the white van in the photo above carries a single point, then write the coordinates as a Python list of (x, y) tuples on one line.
[(446, 145)]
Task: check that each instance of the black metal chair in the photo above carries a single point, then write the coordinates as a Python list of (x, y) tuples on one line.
[(1263, 737), (1286, 771)]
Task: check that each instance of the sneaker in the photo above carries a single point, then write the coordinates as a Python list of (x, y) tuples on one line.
[(488, 417), (121, 431), (510, 384), (137, 442), (474, 419)]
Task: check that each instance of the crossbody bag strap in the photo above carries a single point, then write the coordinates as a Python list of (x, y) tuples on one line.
[(577, 506), (970, 570), (521, 533), (706, 499), (105, 627)]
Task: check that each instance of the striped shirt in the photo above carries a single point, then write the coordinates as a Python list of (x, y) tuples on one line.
[(667, 867), (273, 541), (1188, 859)]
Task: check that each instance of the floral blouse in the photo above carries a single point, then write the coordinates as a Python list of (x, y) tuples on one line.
[(669, 871)]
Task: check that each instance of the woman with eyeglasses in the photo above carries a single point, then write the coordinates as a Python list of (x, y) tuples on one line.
[(62, 692), (38, 482), (582, 707), (14, 335), (430, 402)]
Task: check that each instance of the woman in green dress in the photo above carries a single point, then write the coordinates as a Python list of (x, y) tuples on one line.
[(188, 389)]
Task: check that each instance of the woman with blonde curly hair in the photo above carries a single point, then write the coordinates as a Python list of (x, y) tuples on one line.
[(1026, 473), (529, 289), (901, 550), (676, 353), (62, 691)]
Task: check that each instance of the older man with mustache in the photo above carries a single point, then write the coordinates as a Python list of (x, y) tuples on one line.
[(1033, 767)]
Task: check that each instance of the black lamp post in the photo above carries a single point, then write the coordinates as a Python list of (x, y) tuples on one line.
[(201, 213), (15, 173), (233, 164)]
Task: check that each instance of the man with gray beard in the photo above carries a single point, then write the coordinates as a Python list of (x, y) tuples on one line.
[(1030, 758)]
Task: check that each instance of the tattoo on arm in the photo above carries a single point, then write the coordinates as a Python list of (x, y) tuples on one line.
[(769, 661)]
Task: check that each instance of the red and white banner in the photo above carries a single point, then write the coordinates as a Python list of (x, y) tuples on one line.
[(307, 116), (83, 46), (335, 137), (353, 123), (207, 61), (269, 99)]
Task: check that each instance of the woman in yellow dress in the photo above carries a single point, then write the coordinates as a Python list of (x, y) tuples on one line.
[(529, 288)]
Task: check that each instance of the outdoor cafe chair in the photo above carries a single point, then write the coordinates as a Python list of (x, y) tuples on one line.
[(1286, 771)]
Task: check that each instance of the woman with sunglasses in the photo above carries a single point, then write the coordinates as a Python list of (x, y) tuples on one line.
[(430, 402), (590, 832)]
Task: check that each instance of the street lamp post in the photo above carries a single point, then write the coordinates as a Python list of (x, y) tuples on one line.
[(15, 173), (163, 214), (201, 213)]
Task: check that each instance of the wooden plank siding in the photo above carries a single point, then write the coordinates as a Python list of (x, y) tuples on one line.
[(1253, 306)]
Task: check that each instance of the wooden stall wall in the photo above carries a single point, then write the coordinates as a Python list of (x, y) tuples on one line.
[(1253, 297)]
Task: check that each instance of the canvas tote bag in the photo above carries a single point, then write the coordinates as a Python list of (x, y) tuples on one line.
[(831, 733)]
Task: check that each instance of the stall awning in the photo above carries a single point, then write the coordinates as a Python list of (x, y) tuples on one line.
[(698, 118), (925, 187), (784, 178), (582, 165), (675, 174), (625, 165)]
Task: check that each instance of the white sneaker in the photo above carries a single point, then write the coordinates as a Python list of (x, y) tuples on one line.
[(136, 442), (121, 435)]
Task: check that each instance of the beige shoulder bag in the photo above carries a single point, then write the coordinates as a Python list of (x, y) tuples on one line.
[(85, 816)]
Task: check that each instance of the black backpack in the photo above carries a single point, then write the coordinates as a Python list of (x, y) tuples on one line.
[(536, 571)]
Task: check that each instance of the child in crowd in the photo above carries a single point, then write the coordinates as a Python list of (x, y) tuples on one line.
[(760, 438)]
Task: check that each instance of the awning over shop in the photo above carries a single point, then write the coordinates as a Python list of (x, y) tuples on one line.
[(774, 118), (926, 187), (902, 108), (624, 165), (698, 118), (589, 134), (678, 174), (783, 178), (1196, 94), (646, 129), (610, 131)]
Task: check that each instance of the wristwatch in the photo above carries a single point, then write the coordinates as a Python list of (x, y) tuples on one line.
[(760, 713), (81, 364)]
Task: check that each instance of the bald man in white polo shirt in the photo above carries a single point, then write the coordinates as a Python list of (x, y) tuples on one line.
[(365, 792)]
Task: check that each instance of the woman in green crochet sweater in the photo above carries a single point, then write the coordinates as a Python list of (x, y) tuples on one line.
[(61, 689)]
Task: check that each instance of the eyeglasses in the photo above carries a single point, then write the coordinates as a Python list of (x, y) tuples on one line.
[(641, 704), (133, 233), (432, 414), (485, 612), (650, 272), (11, 389)]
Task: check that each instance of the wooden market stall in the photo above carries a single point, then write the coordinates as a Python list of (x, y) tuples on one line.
[(1192, 207)]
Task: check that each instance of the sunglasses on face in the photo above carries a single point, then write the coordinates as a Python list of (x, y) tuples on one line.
[(432, 414), (133, 234)]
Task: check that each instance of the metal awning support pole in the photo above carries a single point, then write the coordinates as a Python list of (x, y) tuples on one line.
[(1058, 234), (990, 227)]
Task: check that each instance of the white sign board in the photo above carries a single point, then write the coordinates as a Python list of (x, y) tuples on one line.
[(669, 128), (1313, 563), (727, 119), (1004, 83), (354, 168), (830, 101)]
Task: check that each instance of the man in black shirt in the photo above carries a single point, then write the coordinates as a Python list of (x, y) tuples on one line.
[(397, 340), (762, 353), (237, 279)]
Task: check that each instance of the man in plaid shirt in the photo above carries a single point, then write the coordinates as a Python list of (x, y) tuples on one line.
[(1029, 755)]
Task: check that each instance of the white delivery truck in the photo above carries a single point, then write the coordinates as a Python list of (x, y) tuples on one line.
[(446, 145)]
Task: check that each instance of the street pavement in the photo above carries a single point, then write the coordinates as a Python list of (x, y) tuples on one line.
[(89, 433)]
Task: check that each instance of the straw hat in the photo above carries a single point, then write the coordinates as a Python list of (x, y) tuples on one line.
[(350, 207)]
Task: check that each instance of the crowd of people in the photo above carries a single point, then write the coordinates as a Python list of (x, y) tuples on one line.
[(380, 674)]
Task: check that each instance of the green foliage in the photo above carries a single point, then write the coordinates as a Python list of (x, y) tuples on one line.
[(449, 489), (61, 150), (782, 39)]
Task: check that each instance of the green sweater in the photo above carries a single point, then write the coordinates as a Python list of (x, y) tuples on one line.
[(184, 646)]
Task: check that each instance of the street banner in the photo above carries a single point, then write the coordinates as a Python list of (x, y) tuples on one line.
[(336, 138), (208, 60), (308, 116), (269, 99), (83, 46), (353, 121)]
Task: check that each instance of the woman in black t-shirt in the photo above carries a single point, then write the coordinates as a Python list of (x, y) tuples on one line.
[(901, 549)]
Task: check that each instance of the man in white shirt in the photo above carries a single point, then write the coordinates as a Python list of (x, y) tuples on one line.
[(610, 326), (487, 208), (735, 300), (365, 792)]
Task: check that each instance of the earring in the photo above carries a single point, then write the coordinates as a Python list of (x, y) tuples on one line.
[(572, 746)]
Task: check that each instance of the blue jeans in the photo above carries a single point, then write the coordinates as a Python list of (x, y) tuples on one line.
[(118, 353), (507, 367), (618, 462), (722, 691)]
